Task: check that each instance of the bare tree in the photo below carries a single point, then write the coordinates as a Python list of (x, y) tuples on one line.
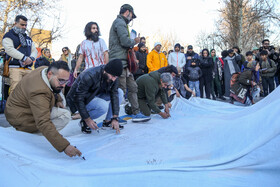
[(245, 23), (167, 40), (37, 12)]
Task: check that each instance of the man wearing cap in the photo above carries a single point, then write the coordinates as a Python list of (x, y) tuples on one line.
[(177, 58), (119, 44), (156, 59), (150, 87), (92, 89)]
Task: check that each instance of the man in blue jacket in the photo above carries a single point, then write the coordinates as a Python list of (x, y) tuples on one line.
[(20, 49)]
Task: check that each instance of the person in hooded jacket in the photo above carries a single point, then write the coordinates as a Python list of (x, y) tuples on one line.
[(177, 58), (206, 65), (141, 56), (230, 67)]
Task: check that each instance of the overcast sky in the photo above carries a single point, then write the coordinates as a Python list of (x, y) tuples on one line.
[(184, 18)]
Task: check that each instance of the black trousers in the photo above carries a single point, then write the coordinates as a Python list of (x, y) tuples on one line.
[(204, 82), (268, 84)]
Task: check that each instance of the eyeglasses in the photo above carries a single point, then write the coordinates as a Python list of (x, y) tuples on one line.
[(265, 43), (61, 81), (64, 50)]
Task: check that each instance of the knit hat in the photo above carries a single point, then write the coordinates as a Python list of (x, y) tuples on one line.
[(157, 43), (140, 45), (114, 67), (230, 51), (190, 47)]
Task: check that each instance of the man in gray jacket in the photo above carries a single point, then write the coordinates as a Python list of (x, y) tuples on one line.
[(119, 44)]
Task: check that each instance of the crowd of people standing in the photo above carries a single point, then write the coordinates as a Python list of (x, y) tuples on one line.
[(96, 74)]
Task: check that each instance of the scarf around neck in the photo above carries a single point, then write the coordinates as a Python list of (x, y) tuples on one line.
[(20, 32)]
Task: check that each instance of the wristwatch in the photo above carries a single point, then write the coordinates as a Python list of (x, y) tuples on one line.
[(115, 118)]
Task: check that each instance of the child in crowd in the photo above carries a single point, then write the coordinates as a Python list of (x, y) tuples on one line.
[(194, 73)]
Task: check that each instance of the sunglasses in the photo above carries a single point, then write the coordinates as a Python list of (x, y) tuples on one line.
[(64, 50)]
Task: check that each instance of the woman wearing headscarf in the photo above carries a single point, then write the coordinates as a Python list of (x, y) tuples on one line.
[(45, 59)]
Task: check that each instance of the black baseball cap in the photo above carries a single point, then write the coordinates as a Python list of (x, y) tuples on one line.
[(130, 8), (190, 47)]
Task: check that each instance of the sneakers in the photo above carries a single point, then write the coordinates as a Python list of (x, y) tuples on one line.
[(84, 128), (222, 98), (108, 123), (140, 118)]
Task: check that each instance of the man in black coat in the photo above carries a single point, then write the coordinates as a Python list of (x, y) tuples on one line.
[(92, 89)]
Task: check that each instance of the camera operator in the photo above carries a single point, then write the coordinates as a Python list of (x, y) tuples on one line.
[(272, 54)]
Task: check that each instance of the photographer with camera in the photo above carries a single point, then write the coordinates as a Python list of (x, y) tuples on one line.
[(270, 50)]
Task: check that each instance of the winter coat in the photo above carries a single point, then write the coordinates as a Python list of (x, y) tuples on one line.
[(218, 68), (206, 66), (243, 84), (271, 68), (156, 60), (29, 107), (10, 42), (228, 73), (87, 86), (41, 61), (119, 40), (188, 62), (193, 73), (177, 59), (142, 58), (148, 89)]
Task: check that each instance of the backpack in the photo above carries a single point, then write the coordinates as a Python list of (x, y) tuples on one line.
[(234, 78), (132, 63)]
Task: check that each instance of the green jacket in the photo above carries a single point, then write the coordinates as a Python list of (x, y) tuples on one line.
[(148, 89), (119, 40)]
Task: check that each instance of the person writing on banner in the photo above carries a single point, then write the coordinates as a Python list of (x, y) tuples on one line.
[(36, 105), (91, 91)]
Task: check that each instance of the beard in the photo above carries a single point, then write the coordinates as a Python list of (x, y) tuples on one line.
[(106, 78), (95, 37), (57, 90)]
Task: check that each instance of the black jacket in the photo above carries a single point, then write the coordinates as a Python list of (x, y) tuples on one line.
[(87, 86), (206, 65), (142, 57), (41, 61)]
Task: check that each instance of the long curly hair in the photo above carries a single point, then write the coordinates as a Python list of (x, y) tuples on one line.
[(87, 30)]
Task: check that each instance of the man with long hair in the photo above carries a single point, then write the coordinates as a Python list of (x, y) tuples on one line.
[(93, 50)]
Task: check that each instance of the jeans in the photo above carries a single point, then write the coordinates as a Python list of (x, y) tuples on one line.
[(194, 85), (99, 105)]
